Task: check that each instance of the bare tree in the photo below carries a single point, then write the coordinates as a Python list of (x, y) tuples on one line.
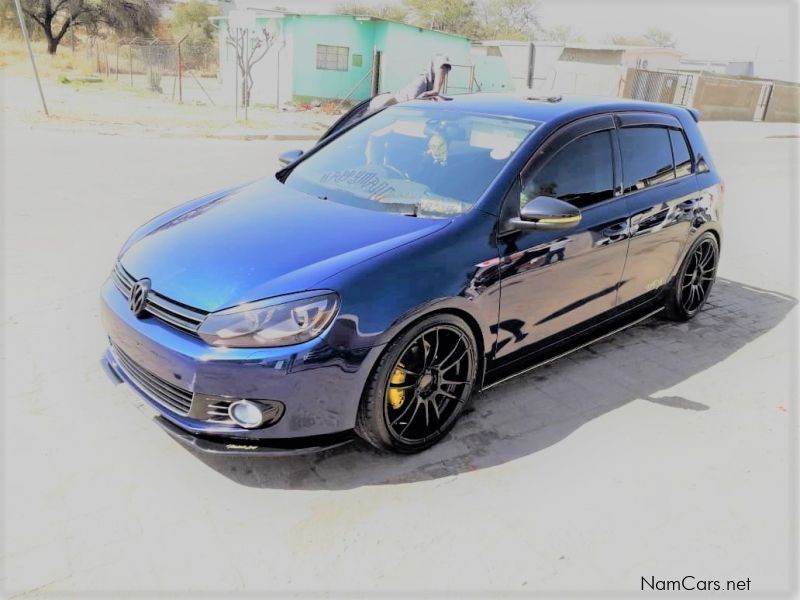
[(250, 49)]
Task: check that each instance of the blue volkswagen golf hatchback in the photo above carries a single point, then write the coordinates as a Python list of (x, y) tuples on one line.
[(411, 258)]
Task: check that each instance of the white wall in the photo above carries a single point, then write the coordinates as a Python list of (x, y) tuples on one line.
[(585, 79), (656, 59)]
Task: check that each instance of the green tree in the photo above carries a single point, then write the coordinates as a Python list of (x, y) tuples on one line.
[(453, 16), (659, 37), (393, 12), (620, 39), (192, 18), (653, 37), (56, 17), (563, 34), (509, 19)]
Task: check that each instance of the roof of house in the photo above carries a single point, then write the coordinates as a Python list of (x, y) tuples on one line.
[(271, 12), (581, 46)]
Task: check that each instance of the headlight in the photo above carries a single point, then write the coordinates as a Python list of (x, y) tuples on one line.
[(279, 321)]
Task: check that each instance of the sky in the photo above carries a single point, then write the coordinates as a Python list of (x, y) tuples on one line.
[(762, 30)]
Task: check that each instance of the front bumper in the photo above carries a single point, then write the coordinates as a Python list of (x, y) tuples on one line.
[(319, 385)]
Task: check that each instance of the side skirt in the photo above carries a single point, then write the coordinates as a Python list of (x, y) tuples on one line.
[(543, 359)]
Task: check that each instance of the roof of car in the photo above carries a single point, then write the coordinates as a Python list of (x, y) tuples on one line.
[(543, 108)]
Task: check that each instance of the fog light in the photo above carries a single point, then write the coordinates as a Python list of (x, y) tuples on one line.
[(246, 414)]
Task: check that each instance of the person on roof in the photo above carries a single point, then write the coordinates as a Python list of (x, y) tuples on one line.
[(427, 84)]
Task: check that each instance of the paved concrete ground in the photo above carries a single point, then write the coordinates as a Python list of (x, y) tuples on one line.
[(662, 452)]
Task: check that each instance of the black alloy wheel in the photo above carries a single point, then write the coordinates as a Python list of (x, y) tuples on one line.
[(420, 386), (695, 279)]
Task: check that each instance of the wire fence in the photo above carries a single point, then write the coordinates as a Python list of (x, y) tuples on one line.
[(174, 69)]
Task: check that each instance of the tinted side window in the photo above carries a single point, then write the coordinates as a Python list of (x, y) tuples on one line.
[(581, 173), (646, 157), (680, 152)]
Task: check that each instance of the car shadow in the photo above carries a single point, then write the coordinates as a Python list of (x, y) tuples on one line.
[(541, 408)]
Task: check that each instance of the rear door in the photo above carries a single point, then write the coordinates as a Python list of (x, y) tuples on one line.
[(662, 196)]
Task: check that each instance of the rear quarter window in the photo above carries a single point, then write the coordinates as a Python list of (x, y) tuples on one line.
[(680, 152)]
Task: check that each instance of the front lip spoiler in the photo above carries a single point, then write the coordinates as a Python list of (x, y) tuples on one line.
[(223, 445), (238, 447)]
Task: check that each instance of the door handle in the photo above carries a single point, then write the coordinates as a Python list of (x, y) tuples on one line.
[(689, 205), (616, 232)]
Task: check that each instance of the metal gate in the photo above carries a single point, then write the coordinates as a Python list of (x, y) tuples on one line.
[(460, 80), (764, 95), (662, 86)]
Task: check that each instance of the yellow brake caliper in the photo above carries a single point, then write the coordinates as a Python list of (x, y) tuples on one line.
[(397, 397)]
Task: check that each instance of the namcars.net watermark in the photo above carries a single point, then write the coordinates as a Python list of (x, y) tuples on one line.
[(690, 583)]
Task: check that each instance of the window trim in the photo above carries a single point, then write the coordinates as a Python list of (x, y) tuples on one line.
[(692, 161), (554, 155), (565, 135), (671, 153), (593, 124), (665, 124), (657, 119)]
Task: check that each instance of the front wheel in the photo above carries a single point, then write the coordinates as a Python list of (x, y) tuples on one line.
[(420, 386), (694, 280)]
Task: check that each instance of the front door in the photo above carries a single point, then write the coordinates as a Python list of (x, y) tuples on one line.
[(553, 280)]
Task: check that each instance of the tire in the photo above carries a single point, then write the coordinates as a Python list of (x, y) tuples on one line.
[(692, 285), (420, 386)]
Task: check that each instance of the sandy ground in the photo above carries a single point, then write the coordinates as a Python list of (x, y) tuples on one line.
[(112, 107), (669, 450)]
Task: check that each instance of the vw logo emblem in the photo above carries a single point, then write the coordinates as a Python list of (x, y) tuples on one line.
[(137, 301)]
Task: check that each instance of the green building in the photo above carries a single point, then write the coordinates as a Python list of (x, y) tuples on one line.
[(333, 57)]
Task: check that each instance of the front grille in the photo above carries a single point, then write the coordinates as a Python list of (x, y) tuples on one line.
[(172, 397), (162, 308)]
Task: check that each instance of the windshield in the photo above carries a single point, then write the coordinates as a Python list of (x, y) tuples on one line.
[(425, 162)]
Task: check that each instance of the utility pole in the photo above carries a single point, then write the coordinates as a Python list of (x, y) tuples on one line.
[(30, 53), (246, 78)]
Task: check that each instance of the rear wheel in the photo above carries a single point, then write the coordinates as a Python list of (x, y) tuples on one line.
[(694, 280), (420, 386)]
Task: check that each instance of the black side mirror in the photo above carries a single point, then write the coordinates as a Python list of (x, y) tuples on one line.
[(547, 213), (289, 157)]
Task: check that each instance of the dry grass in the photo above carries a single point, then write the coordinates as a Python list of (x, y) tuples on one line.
[(108, 103), (14, 60)]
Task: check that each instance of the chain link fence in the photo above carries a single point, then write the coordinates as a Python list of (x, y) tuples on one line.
[(171, 68)]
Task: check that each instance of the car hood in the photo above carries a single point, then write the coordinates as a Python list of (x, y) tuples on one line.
[(259, 241)]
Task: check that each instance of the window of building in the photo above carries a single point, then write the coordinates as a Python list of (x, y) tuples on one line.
[(680, 152), (358, 60), (332, 58), (581, 173), (646, 157)]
